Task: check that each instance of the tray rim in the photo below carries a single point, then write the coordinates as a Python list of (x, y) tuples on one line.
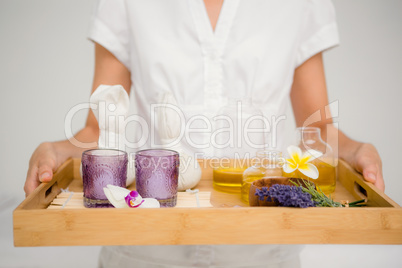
[(219, 225)]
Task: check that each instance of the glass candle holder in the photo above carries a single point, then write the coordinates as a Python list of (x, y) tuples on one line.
[(101, 167), (157, 175)]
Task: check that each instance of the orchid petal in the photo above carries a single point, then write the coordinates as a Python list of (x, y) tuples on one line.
[(310, 155), (116, 203), (309, 170), (150, 203), (295, 153), (118, 193), (133, 199)]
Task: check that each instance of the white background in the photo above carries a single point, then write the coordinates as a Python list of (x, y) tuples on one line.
[(46, 67)]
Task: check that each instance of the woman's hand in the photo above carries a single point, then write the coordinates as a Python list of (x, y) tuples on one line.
[(367, 161), (43, 163), (50, 155)]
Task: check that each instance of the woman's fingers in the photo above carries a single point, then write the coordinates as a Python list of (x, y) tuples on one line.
[(379, 183), (45, 173), (37, 173), (368, 162), (369, 169), (372, 172), (31, 182), (41, 167)]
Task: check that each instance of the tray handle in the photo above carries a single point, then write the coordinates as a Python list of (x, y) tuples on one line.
[(359, 188), (44, 194)]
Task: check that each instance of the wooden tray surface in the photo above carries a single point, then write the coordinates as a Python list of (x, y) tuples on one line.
[(228, 221), (74, 200)]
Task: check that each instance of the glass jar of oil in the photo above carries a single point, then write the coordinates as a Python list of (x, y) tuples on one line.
[(227, 177), (267, 164), (238, 135), (310, 138)]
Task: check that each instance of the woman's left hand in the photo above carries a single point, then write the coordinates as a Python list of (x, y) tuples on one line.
[(367, 161)]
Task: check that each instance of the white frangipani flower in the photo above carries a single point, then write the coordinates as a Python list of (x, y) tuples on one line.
[(301, 161)]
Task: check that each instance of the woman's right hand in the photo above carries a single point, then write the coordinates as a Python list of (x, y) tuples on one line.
[(44, 161)]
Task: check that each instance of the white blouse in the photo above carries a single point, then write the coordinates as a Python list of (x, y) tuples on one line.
[(170, 46)]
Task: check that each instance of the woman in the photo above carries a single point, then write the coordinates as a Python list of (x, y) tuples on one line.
[(203, 53)]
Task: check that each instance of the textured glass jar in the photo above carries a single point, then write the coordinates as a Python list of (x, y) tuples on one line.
[(238, 135), (101, 167), (310, 138), (157, 175), (267, 164)]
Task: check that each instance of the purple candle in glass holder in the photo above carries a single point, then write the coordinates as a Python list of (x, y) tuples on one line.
[(157, 174), (101, 167)]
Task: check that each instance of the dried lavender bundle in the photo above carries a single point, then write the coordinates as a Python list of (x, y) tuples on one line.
[(321, 199), (286, 196)]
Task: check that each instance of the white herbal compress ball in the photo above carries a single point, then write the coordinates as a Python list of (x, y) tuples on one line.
[(169, 128), (189, 171), (109, 104)]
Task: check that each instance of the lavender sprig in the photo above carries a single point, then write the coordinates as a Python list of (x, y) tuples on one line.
[(285, 196), (322, 200), (317, 196)]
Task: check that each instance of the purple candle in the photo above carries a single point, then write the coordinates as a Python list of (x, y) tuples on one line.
[(101, 167), (156, 174)]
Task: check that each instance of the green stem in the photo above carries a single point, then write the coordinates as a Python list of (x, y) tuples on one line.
[(358, 201)]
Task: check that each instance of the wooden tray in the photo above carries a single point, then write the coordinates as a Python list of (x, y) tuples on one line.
[(229, 221)]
